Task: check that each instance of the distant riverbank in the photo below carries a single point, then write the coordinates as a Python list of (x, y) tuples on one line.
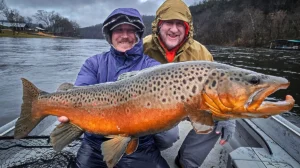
[(22, 34)]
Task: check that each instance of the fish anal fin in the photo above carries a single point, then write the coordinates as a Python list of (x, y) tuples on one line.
[(132, 146), (64, 134), (113, 149), (65, 87)]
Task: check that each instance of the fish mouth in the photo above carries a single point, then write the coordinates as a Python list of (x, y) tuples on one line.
[(258, 107)]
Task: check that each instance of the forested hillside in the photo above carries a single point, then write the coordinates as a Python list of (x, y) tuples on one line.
[(246, 22), (251, 23)]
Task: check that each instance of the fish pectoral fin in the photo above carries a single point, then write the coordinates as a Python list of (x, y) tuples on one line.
[(132, 146), (113, 149), (65, 87), (202, 121), (64, 134)]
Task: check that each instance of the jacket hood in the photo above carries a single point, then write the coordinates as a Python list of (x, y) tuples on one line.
[(120, 16), (169, 10)]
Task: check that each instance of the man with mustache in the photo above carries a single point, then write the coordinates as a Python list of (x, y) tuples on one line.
[(123, 30), (172, 41)]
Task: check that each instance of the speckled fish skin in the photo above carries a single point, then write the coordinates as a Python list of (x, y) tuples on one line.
[(151, 101), (156, 99)]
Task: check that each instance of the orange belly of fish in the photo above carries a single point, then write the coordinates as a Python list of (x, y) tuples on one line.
[(118, 120)]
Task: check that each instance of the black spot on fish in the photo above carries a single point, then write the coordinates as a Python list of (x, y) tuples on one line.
[(214, 74), (186, 69), (194, 89), (213, 83), (164, 100), (200, 78), (231, 79), (184, 81), (207, 81), (182, 97), (237, 79)]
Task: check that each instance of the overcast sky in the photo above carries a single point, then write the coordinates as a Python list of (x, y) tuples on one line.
[(86, 12)]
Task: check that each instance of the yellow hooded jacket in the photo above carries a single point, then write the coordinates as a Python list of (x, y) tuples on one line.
[(190, 50)]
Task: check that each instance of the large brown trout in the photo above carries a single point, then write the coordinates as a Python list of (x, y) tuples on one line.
[(151, 101)]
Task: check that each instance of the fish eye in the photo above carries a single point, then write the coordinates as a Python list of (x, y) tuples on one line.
[(254, 80)]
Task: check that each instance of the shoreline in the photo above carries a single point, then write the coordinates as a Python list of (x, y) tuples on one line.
[(23, 34)]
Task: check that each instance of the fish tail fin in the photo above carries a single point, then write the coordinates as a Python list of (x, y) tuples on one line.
[(26, 122)]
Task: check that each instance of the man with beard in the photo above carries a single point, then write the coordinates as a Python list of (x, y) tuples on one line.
[(172, 41), (123, 30)]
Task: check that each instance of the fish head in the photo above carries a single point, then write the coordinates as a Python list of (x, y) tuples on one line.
[(231, 92)]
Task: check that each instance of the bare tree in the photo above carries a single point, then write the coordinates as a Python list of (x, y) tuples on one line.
[(278, 23), (295, 24), (252, 21), (3, 8), (14, 17), (28, 20), (44, 17)]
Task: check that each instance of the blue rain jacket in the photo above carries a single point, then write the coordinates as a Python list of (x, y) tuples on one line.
[(106, 67)]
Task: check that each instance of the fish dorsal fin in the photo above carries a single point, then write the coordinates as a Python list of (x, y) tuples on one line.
[(127, 75), (65, 87), (202, 120), (132, 146), (113, 149), (64, 134)]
